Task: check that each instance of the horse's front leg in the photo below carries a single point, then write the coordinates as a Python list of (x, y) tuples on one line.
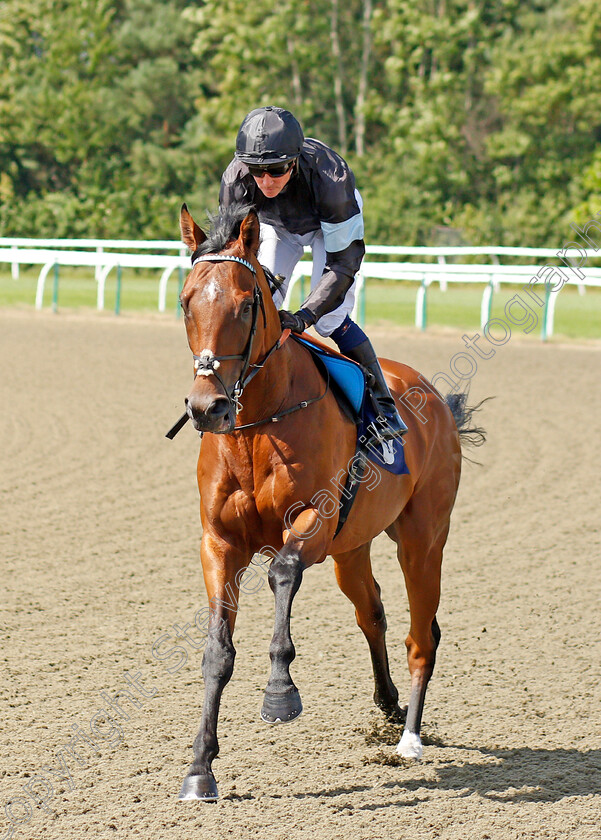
[(282, 702), (222, 567)]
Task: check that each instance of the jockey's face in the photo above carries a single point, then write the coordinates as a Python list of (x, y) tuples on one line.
[(270, 186)]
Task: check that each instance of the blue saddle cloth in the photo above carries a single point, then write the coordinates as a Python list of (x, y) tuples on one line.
[(349, 379)]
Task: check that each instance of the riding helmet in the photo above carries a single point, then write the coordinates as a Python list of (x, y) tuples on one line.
[(269, 135)]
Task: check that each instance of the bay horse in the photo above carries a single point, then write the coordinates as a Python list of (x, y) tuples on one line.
[(259, 481)]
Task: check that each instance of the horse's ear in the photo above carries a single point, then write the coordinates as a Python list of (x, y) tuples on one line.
[(249, 233), (192, 235)]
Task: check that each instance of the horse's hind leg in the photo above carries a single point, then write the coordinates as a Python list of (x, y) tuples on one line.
[(420, 536), (355, 579)]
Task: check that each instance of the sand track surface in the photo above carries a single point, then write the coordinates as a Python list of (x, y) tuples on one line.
[(99, 538)]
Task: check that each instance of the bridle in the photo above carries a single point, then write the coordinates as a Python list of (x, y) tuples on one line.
[(206, 363)]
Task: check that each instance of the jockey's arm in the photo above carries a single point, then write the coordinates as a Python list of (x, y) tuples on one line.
[(336, 280)]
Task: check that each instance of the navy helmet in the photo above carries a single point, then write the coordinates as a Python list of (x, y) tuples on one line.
[(269, 135)]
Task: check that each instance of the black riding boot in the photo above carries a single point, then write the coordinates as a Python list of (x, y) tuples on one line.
[(391, 425)]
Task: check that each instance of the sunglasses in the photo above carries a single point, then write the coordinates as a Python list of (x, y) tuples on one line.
[(275, 170)]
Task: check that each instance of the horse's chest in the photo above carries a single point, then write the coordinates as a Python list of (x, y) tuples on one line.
[(252, 512), (249, 503), (239, 510)]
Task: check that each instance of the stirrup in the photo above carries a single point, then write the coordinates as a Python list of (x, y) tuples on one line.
[(388, 425)]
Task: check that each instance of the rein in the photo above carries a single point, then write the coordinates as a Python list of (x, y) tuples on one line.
[(206, 363), (277, 417)]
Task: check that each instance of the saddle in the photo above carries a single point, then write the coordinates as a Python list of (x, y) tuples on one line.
[(349, 383), (350, 386)]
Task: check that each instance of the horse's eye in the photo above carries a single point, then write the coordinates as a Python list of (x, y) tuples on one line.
[(246, 307)]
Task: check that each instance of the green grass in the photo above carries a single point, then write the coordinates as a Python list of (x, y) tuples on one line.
[(77, 289), (576, 316)]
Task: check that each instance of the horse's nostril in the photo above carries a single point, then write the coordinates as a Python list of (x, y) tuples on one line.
[(218, 408), (207, 413)]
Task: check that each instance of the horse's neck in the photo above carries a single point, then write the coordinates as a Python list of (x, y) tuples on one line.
[(286, 379), (269, 390)]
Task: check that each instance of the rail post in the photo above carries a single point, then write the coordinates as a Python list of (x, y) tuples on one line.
[(420, 306), (443, 278), (546, 332), (55, 289), (15, 263), (486, 305), (118, 292)]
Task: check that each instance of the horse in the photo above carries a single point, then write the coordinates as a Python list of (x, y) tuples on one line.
[(274, 436)]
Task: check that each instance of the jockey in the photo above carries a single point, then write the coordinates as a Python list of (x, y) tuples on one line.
[(304, 194)]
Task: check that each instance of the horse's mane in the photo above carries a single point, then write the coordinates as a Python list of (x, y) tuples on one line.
[(224, 228)]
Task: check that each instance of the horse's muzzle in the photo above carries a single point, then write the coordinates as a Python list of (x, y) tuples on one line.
[(216, 416)]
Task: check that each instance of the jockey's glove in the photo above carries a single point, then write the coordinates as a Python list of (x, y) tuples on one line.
[(296, 321)]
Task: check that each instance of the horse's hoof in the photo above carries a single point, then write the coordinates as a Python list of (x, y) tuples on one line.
[(410, 745), (281, 708), (393, 712), (202, 788)]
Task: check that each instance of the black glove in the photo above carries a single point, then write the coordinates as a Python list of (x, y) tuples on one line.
[(295, 321)]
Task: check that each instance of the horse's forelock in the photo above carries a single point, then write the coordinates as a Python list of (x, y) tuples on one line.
[(224, 228)]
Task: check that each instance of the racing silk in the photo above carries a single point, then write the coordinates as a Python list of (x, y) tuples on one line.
[(320, 195)]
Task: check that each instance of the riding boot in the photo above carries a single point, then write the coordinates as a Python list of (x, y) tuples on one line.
[(389, 423)]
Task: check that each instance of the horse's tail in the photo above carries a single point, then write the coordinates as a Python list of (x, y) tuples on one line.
[(470, 434)]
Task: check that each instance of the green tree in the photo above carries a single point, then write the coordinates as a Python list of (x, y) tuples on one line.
[(93, 108), (475, 120), (545, 82)]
